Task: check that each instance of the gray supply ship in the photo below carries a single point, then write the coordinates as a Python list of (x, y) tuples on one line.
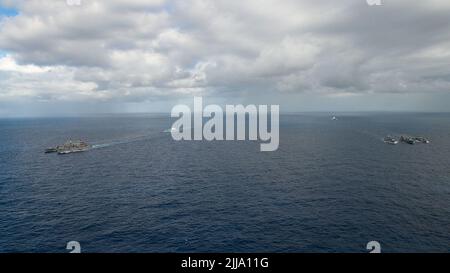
[(406, 139), (69, 147), (413, 140)]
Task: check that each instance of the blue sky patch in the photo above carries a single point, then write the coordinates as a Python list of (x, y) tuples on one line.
[(7, 11)]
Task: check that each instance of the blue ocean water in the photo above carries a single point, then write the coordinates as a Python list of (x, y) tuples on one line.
[(332, 186)]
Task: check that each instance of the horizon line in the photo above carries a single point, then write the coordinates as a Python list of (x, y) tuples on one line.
[(88, 115)]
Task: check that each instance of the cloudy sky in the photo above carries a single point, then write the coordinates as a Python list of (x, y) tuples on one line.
[(148, 55)]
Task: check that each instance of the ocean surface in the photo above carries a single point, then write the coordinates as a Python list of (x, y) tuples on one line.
[(332, 186)]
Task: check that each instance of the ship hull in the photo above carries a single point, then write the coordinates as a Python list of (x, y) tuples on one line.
[(71, 152)]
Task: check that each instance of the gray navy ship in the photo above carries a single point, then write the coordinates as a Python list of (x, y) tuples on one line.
[(69, 147), (406, 139)]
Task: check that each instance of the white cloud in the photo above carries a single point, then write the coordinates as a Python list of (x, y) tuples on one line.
[(137, 50), (8, 64)]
